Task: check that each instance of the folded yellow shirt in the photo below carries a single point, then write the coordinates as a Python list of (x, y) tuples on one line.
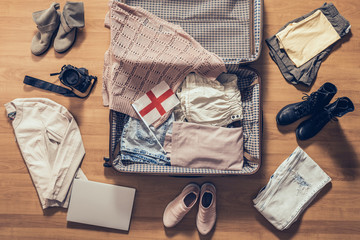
[(305, 39)]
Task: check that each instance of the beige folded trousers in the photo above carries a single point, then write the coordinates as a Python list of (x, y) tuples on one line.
[(195, 145), (51, 145)]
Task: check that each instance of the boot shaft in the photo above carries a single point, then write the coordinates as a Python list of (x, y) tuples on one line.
[(340, 107), (48, 19), (329, 90), (73, 14), (322, 96)]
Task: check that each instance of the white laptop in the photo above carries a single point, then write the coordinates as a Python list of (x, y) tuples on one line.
[(101, 204)]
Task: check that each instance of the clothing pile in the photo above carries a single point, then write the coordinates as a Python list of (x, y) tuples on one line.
[(298, 49), (46, 132), (146, 50)]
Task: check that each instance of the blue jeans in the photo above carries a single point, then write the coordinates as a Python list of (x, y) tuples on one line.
[(139, 146)]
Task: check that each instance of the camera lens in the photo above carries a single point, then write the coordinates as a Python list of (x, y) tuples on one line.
[(71, 77)]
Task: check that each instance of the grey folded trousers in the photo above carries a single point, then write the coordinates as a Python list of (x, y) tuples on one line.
[(306, 73)]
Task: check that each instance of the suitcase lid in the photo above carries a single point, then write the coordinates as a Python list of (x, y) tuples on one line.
[(231, 29)]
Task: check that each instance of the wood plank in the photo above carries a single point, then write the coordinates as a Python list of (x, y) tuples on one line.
[(335, 213)]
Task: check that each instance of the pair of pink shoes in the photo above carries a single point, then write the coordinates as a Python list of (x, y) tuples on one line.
[(181, 205)]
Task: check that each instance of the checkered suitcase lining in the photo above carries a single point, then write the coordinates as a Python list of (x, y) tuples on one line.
[(250, 123), (221, 26)]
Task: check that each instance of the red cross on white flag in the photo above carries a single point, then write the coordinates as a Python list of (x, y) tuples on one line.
[(155, 103)]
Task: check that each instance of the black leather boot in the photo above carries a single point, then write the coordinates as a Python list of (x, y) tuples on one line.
[(311, 104), (313, 125)]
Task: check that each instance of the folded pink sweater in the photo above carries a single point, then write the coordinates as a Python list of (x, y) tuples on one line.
[(145, 50)]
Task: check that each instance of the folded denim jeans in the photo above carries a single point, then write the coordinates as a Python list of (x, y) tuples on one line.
[(138, 144), (292, 187)]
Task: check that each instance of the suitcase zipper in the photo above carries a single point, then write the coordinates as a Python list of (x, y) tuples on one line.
[(251, 28)]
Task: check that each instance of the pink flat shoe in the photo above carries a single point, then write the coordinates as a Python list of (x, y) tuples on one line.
[(181, 205), (206, 216)]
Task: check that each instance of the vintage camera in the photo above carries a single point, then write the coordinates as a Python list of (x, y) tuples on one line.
[(77, 78), (73, 77)]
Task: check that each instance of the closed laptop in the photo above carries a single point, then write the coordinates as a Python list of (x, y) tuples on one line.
[(101, 204)]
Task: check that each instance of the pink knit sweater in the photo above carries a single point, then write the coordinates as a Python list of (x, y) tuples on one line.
[(145, 50)]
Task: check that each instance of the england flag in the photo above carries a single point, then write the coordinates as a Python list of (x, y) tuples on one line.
[(155, 103)]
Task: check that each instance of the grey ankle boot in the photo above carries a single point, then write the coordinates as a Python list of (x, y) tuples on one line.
[(47, 22), (71, 18)]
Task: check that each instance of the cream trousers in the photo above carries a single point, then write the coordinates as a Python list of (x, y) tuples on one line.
[(292, 187)]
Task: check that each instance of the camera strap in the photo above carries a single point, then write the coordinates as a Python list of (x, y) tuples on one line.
[(35, 82)]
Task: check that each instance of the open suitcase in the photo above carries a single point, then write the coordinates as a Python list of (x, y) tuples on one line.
[(232, 30)]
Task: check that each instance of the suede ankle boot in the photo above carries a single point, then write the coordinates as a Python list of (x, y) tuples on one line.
[(206, 216), (72, 17), (47, 22), (310, 127), (311, 104), (181, 205)]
